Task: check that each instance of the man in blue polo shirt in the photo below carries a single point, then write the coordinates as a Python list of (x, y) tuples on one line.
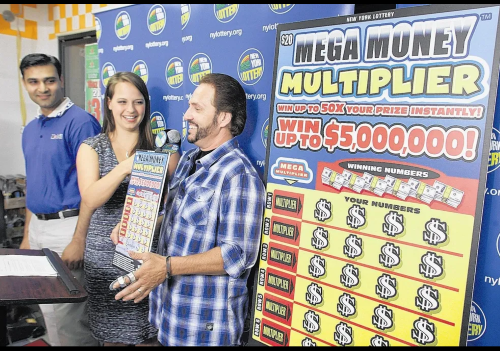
[(50, 143)]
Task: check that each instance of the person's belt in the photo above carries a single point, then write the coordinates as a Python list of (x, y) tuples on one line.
[(57, 215)]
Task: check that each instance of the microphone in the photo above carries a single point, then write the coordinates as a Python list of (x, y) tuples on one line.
[(173, 136), (167, 142)]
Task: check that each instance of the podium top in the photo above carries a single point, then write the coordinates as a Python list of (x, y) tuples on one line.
[(40, 290)]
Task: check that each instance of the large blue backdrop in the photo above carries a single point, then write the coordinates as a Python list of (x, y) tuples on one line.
[(172, 46)]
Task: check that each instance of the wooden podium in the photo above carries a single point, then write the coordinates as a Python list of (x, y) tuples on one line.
[(37, 290)]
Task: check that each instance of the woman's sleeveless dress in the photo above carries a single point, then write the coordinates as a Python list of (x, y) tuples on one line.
[(110, 320)]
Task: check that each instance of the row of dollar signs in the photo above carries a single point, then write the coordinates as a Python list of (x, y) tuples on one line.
[(382, 317), (320, 238), (390, 255), (317, 266), (343, 334), (314, 294), (423, 332), (307, 342), (346, 305), (353, 246), (349, 276), (393, 224), (379, 341), (323, 210), (431, 266), (356, 217), (427, 299), (311, 322), (435, 231), (386, 287)]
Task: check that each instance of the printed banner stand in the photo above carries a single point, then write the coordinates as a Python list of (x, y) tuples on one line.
[(376, 164), (92, 81), (142, 203)]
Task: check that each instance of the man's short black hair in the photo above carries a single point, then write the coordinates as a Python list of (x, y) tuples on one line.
[(38, 59), (229, 97)]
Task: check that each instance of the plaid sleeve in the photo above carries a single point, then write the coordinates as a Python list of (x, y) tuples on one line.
[(239, 232)]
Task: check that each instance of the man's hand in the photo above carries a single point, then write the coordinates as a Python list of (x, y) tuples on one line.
[(72, 255), (151, 274), (115, 235)]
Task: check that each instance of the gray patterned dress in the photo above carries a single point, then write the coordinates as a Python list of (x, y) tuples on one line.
[(110, 320)]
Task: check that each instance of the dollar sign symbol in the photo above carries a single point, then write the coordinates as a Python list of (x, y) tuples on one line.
[(323, 210), (308, 342), (314, 294), (382, 317), (356, 217), (349, 276), (389, 256), (427, 298), (320, 238), (386, 286), (311, 322), (343, 334), (431, 266), (352, 247), (377, 340), (393, 224), (317, 266), (346, 305), (423, 332), (435, 232)]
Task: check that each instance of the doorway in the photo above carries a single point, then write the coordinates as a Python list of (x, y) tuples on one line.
[(72, 55)]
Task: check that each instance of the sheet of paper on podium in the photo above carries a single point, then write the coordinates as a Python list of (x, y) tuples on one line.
[(26, 266)]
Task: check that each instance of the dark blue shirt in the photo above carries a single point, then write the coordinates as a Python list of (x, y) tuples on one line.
[(50, 145)]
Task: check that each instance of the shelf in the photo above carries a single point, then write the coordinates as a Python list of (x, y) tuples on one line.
[(15, 202)]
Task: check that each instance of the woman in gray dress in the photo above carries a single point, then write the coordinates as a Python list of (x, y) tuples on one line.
[(104, 164)]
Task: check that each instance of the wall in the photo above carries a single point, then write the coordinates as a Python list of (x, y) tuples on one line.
[(39, 26)]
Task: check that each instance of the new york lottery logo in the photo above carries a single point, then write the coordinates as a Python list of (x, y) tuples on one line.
[(281, 8), (107, 72), (199, 66), (251, 66), (98, 28), (156, 19), (174, 73), (494, 156), (141, 69), (157, 122), (123, 25), (225, 12), (477, 322), (185, 14), (264, 132)]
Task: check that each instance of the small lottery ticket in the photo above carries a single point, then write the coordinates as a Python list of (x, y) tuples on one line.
[(140, 210), (353, 181)]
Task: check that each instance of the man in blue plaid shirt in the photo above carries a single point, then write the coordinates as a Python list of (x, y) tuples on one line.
[(210, 234)]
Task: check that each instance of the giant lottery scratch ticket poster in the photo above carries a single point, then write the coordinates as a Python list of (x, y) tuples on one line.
[(376, 167)]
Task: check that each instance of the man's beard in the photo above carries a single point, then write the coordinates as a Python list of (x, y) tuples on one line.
[(203, 132)]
